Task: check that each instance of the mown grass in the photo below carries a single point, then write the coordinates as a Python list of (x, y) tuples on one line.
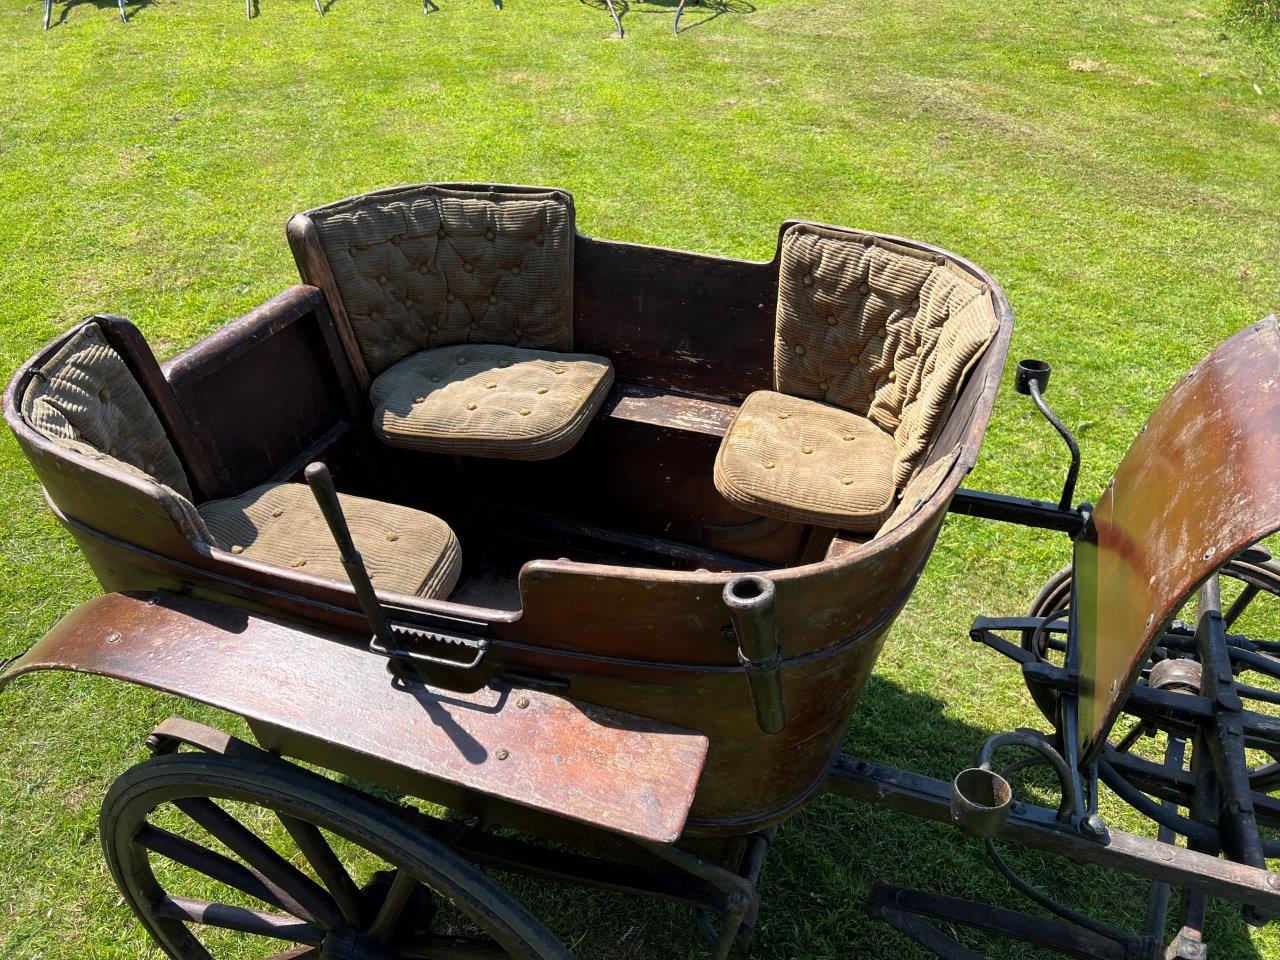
[(1114, 164)]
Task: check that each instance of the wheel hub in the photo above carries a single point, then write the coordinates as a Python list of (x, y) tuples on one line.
[(347, 944)]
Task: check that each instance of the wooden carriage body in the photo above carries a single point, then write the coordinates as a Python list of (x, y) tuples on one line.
[(593, 578)]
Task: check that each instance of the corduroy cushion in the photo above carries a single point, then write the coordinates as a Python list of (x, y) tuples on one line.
[(922, 486), (881, 330), (485, 400), (426, 266), (405, 550), (806, 462), (85, 398)]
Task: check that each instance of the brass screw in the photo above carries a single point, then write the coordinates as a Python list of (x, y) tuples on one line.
[(113, 637), (522, 703), (502, 754)]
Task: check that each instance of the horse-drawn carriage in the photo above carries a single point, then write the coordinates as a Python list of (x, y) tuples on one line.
[(620, 534)]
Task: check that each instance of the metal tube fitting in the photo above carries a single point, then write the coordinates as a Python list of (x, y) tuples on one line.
[(750, 601)]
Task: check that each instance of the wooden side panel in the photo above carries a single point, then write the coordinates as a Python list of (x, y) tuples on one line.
[(1200, 483), (676, 320), (264, 390)]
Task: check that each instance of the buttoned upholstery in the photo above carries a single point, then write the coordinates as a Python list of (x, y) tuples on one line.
[(806, 462), (876, 331), (428, 266), (460, 301), (86, 399), (405, 551), (484, 400)]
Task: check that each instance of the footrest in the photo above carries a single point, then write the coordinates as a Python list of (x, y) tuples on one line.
[(313, 696)]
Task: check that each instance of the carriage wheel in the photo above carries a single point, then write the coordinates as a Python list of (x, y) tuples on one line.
[(1254, 573), (323, 914)]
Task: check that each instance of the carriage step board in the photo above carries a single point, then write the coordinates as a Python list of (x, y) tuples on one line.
[(311, 696)]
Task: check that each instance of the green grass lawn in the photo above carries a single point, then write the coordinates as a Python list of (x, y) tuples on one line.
[(1115, 164)]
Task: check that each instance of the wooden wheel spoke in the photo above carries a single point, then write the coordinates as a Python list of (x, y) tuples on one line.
[(297, 892), (210, 863), (240, 919), (402, 887), (326, 865)]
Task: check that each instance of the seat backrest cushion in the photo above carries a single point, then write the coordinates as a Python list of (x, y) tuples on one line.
[(85, 398), (428, 266), (879, 329)]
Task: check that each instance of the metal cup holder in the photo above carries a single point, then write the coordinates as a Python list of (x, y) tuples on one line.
[(980, 801)]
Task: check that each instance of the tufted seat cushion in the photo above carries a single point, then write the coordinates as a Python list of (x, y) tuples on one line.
[(406, 551), (486, 400), (807, 462)]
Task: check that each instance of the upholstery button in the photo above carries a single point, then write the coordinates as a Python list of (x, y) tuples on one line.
[(393, 537), (504, 363), (783, 416), (467, 267), (434, 327), (382, 279), (824, 385), (488, 234), (939, 259), (515, 271), (800, 350), (435, 379), (893, 376), (525, 412), (808, 450), (808, 280), (277, 512), (559, 372), (471, 406), (864, 289), (300, 562), (848, 436), (920, 350), (491, 386), (868, 241), (846, 480), (440, 232), (424, 268), (832, 321), (104, 394), (517, 331), (460, 361), (769, 464), (237, 549), (542, 390), (492, 298)]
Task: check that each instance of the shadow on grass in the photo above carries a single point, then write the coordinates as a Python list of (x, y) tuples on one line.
[(132, 8), (696, 12), (822, 864)]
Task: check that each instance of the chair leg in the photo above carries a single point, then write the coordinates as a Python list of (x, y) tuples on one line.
[(675, 26), (319, 9), (617, 21), (48, 13), (248, 9), (124, 18)]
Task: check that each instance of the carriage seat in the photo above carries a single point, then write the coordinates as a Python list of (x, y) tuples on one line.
[(872, 343), (457, 307), (85, 399)]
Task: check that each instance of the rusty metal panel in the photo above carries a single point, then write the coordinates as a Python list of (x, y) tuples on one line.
[(598, 766), (1200, 483)]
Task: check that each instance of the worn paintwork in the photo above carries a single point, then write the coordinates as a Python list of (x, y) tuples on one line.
[(1199, 484), (525, 746)]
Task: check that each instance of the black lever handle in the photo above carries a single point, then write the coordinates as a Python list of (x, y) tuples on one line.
[(326, 494)]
